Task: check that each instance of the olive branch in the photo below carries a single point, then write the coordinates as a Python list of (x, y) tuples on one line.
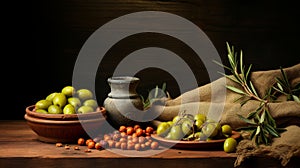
[(261, 125)]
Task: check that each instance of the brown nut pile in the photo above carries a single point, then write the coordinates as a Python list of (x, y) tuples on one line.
[(126, 138)]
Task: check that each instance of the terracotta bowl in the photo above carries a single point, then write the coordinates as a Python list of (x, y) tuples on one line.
[(65, 128)]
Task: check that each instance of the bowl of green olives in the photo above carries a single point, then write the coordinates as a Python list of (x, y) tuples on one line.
[(64, 128), (63, 117)]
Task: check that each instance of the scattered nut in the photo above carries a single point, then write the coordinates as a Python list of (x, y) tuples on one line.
[(76, 147), (58, 144), (80, 141), (98, 145), (91, 145), (154, 145), (67, 147), (88, 141), (87, 150)]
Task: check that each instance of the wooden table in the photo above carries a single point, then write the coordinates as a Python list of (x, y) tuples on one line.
[(19, 147)]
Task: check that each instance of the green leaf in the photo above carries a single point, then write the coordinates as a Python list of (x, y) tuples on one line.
[(253, 89), (248, 71), (296, 98), (234, 89), (244, 101), (164, 86), (272, 130), (285, 77), (231, 77), (257, 130), (281, 82), (278, 90), (251, 115), (279, 86), (262, 118), (264, 138), (241, 62), (246, 120), (239, 98), (156, 92), (222, 65), (270, 119)]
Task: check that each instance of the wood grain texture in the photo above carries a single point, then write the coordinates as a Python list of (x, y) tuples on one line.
[(20, 148)]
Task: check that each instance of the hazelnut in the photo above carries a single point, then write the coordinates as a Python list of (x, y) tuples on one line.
[(123, 134), (122, 128), (88, 141), (154, 145), (98, 145), (118, 144), (139, 132), (142, 139), (129, 130), (143, 146), (111, 143), (123, 145), (80, 141), (76, 148), (122, 140), (130, 145), (67, 147), (137, 146), (91, 145), (88, 150), (58, 144), (136, 127), (149, 130)]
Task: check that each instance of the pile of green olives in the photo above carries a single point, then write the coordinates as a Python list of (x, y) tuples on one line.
[(193, 127), (67, 101)]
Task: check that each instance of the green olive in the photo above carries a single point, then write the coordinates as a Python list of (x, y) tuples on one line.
[(51, 96), (54, 109), (60, 100), (91, 102), (75, 101), (170, 123), (176, 132), (201, 117), (163, 129), (210, 129), (42, 111), (226, 129), (230, 145), (187, 127), (176, 119), (84, 94), (68, 91), (198, 124), (85, 109), (69, 109), (43, 104)]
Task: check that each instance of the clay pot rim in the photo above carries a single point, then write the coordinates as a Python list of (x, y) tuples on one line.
[(123, 79)]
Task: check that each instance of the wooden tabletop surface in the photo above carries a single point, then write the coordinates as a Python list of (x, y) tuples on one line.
[(19, 147)]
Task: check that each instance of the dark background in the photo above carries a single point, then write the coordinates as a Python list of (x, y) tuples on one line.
[(42, 38)]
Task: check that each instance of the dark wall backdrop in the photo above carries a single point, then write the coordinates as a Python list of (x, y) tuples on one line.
[(41, 40)]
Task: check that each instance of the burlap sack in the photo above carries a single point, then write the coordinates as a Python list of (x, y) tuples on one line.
[(285, 113)]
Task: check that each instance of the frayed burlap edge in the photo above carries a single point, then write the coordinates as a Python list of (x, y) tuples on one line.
[(283, 148)]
